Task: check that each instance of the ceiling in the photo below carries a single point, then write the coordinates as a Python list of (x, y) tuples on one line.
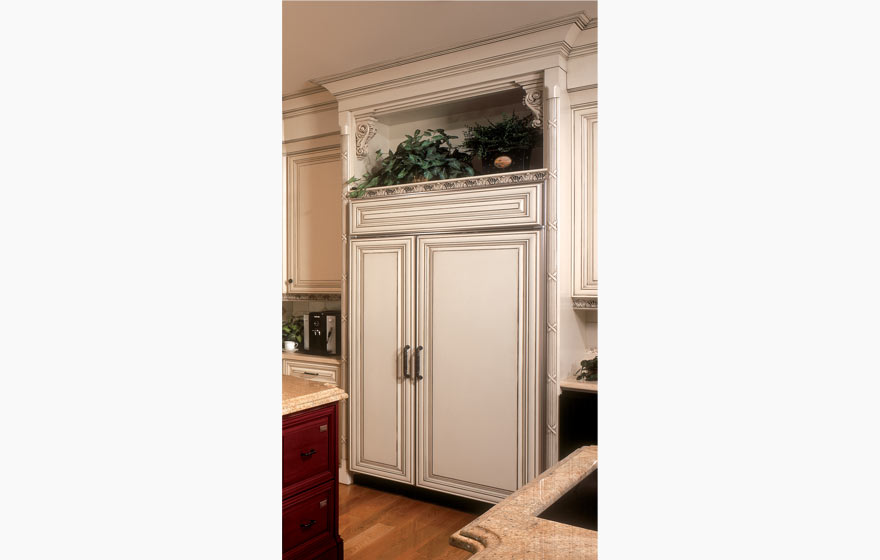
[(322, 38)]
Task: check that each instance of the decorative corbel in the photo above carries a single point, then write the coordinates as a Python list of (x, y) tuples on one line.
[(534, 100), (364, 132)]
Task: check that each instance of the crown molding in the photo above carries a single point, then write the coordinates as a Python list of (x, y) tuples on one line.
[(325, 106), (451, 94), (303, 93), (584, 88), (584, 50), (304, 138), (578, 18), (559, 48)]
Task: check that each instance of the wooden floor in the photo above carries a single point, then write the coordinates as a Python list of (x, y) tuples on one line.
[(381, 525)]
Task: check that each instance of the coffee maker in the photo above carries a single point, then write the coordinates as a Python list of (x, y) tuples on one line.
[(321, 333)]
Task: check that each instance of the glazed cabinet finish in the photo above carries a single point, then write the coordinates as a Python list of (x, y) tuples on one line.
[(444, 360), (477, 315), (314, 223), (585, 282), (381, 326), (437, 211)]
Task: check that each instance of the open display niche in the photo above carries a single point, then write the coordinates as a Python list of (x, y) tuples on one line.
[(385, 131)]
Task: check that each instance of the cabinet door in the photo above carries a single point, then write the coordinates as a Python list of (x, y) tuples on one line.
[(585, 282), (314, 223), (380, 326), (478, 323)]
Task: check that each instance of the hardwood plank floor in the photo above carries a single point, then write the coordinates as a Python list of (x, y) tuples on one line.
[(381, 525)]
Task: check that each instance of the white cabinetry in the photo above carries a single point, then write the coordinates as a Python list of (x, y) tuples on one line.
[(381, 326), (444, 363), (585, 279), (314, 224)]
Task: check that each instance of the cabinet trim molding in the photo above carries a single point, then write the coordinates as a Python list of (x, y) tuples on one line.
[(461, 183)]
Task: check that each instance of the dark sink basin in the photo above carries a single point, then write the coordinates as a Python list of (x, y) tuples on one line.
[(578, 506)]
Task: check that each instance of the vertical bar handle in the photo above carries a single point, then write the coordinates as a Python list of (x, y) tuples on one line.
[(406, 374), (418, 363)]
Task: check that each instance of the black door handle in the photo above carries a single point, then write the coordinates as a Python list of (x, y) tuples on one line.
[(307, 454), (406, 374), (418, 363), (307, 525)]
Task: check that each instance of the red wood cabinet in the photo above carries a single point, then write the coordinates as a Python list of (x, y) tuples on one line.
[(310, 502)]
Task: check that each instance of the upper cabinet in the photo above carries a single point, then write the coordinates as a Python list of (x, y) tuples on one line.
[(585, 283), (314, 223)]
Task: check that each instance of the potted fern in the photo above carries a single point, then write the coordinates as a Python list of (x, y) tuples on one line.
[(423, 156), (504, 145)]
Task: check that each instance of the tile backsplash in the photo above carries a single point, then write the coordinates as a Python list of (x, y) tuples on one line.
[(301, 307)]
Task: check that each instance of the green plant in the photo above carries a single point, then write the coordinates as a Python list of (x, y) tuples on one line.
[(292, 330), (589, 370), (423, 156), (510, 134)]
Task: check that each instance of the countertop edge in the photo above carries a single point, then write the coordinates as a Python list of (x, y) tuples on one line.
[(510, 526)]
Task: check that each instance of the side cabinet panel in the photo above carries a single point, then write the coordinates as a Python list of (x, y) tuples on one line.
[(380, 326), (585, 281), (477, 316)]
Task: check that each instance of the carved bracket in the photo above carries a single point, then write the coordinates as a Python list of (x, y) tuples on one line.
[(534, 100), (364, 132)]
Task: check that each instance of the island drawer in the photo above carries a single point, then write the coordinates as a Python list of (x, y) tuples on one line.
[(308, 448), (309, 518)]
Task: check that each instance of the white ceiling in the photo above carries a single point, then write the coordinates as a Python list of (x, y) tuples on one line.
[(322, 38)]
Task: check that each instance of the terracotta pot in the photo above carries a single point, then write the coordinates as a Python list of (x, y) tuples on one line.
[(503, 162)]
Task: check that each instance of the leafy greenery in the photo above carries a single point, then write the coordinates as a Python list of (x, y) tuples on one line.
[(589, 370), (510, 134), (292, 330), (425, 156)]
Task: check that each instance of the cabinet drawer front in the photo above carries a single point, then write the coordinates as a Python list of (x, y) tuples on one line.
[(308, 516), (324, 373), (492, 207), (306, 449)]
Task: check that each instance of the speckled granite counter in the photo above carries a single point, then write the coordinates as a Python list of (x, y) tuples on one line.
[(299, 394), (512, 530), (572, 384)]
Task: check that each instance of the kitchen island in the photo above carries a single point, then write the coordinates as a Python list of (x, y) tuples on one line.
[(514, 528), (310, 502)]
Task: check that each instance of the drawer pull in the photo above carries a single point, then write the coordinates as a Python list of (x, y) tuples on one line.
[(310, 373), (307, 525), (323, 428), (307, 454)]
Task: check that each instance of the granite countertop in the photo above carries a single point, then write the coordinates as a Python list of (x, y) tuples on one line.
[(300, 394), (572, 384), (511, 529)]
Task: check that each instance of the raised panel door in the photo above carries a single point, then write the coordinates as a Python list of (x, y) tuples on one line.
[(477, 323), (314, 223), (381, 325)]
